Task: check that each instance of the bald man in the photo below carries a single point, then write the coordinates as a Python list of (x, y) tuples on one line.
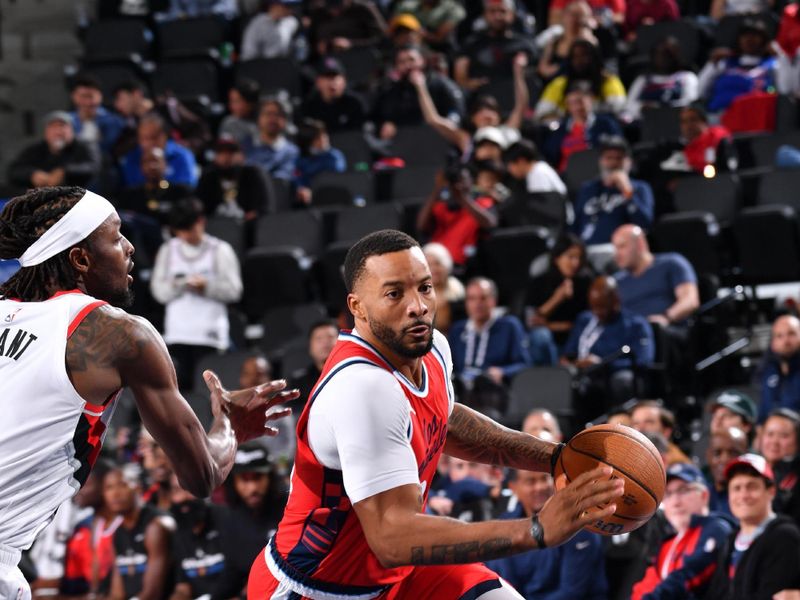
[(780, 371), (661, 287)]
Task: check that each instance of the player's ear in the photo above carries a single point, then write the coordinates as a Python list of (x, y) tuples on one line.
[(355, 306), (79, 259)]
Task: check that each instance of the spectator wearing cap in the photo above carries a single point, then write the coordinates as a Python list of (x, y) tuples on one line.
[(686, 560), (256, 496), (93, 124), (524, 163), (760, 558), (581, 129), (240, 124), (778, 442), (585, 66), (230, 188), (650, 415), (732, 408), (704, 148), (181, 167), (438, 18), (342, 24), (489, 143), (59, 159), (780, 369), (270, 34), (724, 444), (484, 111), (750, 67), (489, 55), (397, 102), (404, 30), (272, 151), (613, 199), (331, 102)]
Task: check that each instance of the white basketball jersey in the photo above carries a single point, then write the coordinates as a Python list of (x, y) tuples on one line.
[(49, 435)]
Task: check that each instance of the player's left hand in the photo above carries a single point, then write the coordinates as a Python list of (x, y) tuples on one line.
[(250, 410)]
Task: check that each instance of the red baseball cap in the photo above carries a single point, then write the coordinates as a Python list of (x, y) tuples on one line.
[(754, 462)]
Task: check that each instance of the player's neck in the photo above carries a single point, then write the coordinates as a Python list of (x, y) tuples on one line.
[(410, 367)]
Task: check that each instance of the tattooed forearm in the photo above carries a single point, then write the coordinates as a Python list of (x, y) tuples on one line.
[(465, 552), (472, 436), (103, 339)]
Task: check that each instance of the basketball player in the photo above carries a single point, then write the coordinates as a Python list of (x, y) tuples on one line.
[(65, 353), (368, 441)]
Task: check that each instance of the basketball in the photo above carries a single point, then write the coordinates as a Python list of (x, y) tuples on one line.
[(633, 458)]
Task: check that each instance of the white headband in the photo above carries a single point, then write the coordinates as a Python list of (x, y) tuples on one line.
[(80, 221)]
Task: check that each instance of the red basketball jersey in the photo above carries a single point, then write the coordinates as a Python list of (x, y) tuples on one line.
[(319, 545)]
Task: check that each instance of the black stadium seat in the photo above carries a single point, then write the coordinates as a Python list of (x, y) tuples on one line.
[(695, 235), (720, 196), (354, 223), (274, 277), (117, 39), (285, 323), (197, 36), (301, 228), (768, 243), (780, 187), (272, 75), (540, 387), (343, 189), (195, 80)]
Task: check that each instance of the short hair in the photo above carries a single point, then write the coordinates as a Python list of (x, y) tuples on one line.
[(322, 323), (483, 101), (377, 243), (565, 241), (248, 89), (85, 80), (790, 415), (441, 252), (666, 416), (129, 85), (185, 213), (308, 131), (698, 109), (156, 119), (616, 143), (479, 280), (522, 149), (281, 102), (494, 167)]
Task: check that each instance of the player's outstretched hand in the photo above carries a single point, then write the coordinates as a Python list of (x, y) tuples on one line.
[(570, 509), (251, 410)]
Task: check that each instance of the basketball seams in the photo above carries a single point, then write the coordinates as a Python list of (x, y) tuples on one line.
[(619, 431)]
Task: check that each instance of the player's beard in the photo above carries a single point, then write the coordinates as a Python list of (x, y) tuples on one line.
[(394, 340)]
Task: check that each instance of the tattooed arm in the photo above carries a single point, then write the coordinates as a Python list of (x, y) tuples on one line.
[(399, 534), (477, 438), (111, 349)]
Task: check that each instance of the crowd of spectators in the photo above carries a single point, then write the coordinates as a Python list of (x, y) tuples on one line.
[(534, 104)]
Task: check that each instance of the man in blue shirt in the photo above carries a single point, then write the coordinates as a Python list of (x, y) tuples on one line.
[(92, 123), (152, 133), (660, 287), (574, 570), (275, 154), (613, 199), (780, 371)]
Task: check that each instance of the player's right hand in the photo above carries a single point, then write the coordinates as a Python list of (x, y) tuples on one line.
[(589, 497), (250, 410)]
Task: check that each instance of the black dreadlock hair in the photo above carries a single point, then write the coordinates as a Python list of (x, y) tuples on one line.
[(23, 220)]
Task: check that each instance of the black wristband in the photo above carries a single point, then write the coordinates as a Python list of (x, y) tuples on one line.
[(554, 458), (537, 532)]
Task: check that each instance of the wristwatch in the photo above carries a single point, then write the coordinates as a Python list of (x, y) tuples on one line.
[(537, 532)]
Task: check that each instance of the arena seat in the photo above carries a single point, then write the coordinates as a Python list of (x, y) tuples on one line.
[(193, 80), (343, 189), (277, 276), (272, 75), (117, 40), (302, 228), (192, 37), (694, 235), (285, 323), (354, 223), (230, 230), (780, 187), (720, 196), (768, 244), (540, 387)]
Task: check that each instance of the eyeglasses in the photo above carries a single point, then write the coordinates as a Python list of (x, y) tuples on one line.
[(682, 491)]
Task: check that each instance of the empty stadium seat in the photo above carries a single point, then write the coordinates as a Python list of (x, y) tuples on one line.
[(272, 75), (331, 277), (274, 277), (764, 147), (343, 189), (117, 39), (195, 80), (661, 124), (581, 167), (694, 235), (684, 30), (284, 323), (230, 230), (540, 387), (718, 195), (412, 182), (353, 146), (419, 145), (301, 228), (768, 244), (780, 187), (362, 65), (354, 223), (545, 209), (197, 36)]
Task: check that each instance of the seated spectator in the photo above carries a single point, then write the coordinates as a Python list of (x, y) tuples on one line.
[(581, 129), (489, 55), (750, 67), (196, 545), (555, 298), (158, 472), (542, 420), (342, 24), (724, 445), (572, 570), (92, 123), (256, 497), (687, 560), (489, 143), (455, 215), (195, 276), (647, 12), (576, 23), (438, 18), (619, 415), (59, 159), (397, 102), (651, 416), (706, 149), (608, 11), (524, 163), (661, 287), (152, 133), (487, 343), (585, 65), (230, 188), (241, 124), (130, 103), (404, 30), (143, 563), (759, 559), (271, 151), (270, 34), (484, 112), (599, 335), (780, 369), (450, 291), (322, 337), (331, 102), (469, 492), (725, 8), (613, 199), (732, 408), (667, 83), (316, 156), (156, 196), (779, 441), (182, 9)]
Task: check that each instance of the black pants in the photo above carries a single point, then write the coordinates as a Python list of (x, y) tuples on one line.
[(185, 357)]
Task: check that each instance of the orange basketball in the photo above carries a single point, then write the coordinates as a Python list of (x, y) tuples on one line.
[(633, 458)]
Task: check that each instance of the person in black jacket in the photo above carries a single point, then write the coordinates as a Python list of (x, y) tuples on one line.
[(762, 558)]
